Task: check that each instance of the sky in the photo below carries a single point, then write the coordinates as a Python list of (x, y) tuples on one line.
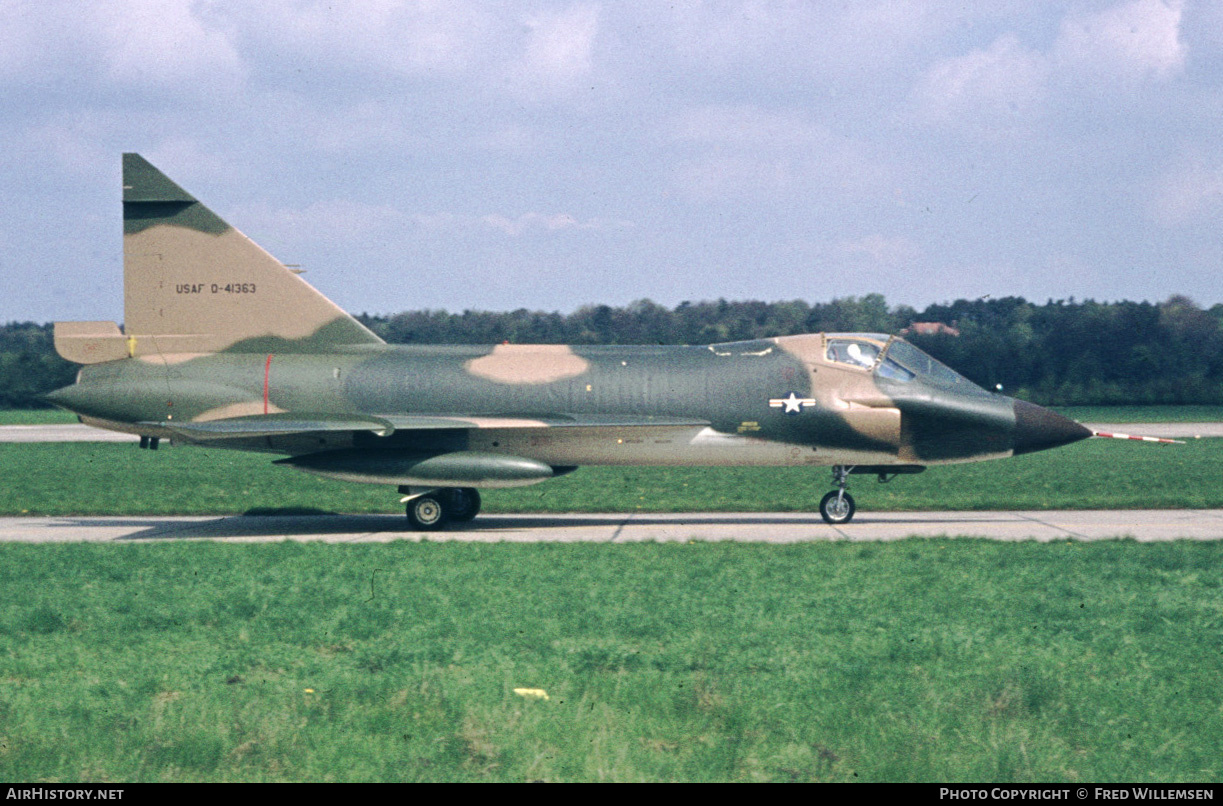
[(548, 155)]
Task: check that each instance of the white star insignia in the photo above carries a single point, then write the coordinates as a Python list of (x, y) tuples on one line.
[(791, 403)]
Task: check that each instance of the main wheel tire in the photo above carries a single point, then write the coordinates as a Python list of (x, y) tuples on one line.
[(462, 504), (426, 513), (836, 510)]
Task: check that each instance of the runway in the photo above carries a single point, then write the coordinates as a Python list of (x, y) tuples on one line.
[(1141, 525), (69, 432)]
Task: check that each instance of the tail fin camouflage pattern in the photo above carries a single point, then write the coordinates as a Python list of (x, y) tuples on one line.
[(194, 284)]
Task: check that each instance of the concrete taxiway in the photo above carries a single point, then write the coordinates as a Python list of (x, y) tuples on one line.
[(65, 432), (1141, 525), (1165, 430)]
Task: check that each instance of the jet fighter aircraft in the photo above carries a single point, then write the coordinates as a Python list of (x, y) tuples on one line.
[(224, 346)]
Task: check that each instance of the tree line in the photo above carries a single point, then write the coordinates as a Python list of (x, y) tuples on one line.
[(1062, 352)]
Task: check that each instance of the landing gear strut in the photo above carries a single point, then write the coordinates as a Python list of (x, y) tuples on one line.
[(838, 507), (430, 510)]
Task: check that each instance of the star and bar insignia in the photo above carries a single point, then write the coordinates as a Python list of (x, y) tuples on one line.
[(791, 403)]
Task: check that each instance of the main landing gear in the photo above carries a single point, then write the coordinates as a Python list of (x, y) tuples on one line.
[(838, 507), (430, 510)]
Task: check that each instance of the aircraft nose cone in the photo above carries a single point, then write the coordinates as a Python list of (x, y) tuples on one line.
[(1037, 428)]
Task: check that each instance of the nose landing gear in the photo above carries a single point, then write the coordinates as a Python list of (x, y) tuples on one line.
[(838, 507)]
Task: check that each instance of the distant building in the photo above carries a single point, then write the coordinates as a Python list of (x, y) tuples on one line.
[(931, 329)]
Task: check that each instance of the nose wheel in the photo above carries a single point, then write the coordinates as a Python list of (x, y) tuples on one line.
[(838, 506)]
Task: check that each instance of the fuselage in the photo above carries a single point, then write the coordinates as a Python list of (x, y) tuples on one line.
[(819, 399)]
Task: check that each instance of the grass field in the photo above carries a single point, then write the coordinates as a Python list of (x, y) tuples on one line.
[(939, 660), (945, 660), (109, 478), (35, 416), (1143, 414)]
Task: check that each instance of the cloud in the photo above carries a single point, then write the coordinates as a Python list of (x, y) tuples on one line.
[(1132, 41), (992, 87), (743, 138), (738, 151), (533, 51), (19, 36), (331, 220), (164, 43), (346, 219), (143, 44), (541, 222), (558, 50), (818, 41), (426, 38), (1010, 86)]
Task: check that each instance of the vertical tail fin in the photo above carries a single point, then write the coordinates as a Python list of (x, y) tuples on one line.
[(194, 284)]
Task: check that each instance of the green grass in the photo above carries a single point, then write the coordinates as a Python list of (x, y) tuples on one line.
[(943, 660), (1143, 414), (119, 479), (35, 416)]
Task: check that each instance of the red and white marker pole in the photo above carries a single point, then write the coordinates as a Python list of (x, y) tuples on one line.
[(1107, 435)]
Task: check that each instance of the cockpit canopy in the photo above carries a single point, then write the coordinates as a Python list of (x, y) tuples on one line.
[(890, 357)]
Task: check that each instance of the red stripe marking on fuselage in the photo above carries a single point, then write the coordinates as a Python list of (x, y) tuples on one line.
[(267, 373)]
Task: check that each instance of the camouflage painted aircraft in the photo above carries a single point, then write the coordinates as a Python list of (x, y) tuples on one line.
[(224, 346)]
